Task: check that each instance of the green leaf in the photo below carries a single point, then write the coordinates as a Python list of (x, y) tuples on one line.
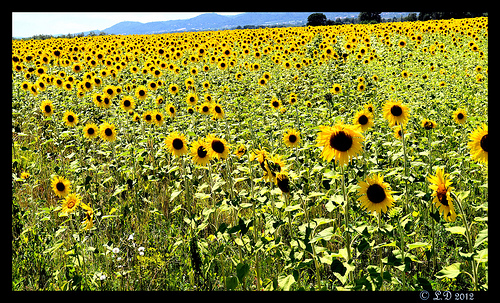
[(242, 270), (450, 272), (202, 196), (481, 237), (417, 245), (120, 189), (174, 194), (231, 282), (286, 282), (482, 256), (456, 230), (326, 234)]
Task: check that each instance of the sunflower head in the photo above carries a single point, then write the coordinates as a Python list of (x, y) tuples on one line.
[(218, 147), (441, 187), (283, 182), (61, 186), (47, 108), (342, 142), (460, 116), (478, 144), (428, 124), (240, 151), (363, 119), (396, 113), (108, 132), (291, 138), (90, 131), (199, 152), (375, 194), (70, 118), (70, 203), (176, 143)]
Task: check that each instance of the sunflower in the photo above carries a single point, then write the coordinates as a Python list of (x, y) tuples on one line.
[(291, 138), (217, 147), (283, 182), (70, 203), (217, 111), (127, 103), (375, 194), (396, 113), (440, 184), (61, 186), (176, 144), (205, 108), (148, 117), (199, 152), (90, 131), (110, 91), (397, 132), (70, 118), (363, 119), (272, 165), (89, 216), (108, 132), (336, 89), (240, 151), (173, 89), (428, 124), (275, 103), (47, 108), (341, 142), (171, 110), (158, 118), (479, 144), (141, 92), (460, 116), (191, 99)]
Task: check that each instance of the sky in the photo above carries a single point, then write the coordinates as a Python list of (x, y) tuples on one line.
[(28, 24)]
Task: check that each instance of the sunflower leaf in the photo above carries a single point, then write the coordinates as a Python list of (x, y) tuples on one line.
[(174, 194), (456, 230), (450, 272)]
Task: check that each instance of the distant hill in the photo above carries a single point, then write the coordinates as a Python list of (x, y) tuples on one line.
[(213, 21)]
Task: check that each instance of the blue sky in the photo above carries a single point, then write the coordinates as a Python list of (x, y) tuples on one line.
[(29, 24)]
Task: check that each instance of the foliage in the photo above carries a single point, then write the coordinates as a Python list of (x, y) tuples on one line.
[(261, 212)]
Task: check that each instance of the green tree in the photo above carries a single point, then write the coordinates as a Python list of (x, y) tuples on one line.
[(316, 19), (369, 16)]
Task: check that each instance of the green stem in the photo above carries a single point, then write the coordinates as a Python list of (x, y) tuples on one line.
[(346, 218), (469, 239)]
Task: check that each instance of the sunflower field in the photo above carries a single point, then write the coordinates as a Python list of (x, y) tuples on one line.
[(345, 157)]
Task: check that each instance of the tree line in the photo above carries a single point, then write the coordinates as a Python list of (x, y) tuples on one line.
[(317, 19)]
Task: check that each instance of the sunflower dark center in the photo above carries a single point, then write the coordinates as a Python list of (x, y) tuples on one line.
[(109, 91), (108, 132), (396, 110), (202, 152), (283, 184), (484, 143), (71, 118), (441, 195), (460, 116), (341, 141), (126, 103), (177, 144), (276, 103), (375, 193), (218, 146), (428, 125), (48, 109), (218, 109), (158, 117), (292, 138), (148, 117), (363, 120), (205, 109), (90, 131), (60, 186), (172, 110), (142, 93)]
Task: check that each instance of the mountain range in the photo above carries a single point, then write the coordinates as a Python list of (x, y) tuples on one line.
[(214, 21)]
